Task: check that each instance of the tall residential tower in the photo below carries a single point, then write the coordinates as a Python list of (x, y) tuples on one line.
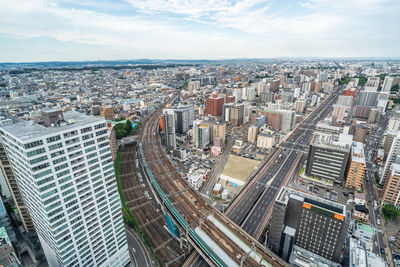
[(66, 175)]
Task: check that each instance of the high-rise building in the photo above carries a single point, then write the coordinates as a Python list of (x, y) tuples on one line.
[(367, 98), (273, 118), (237, 93), (296, 92), (372, 84), (328, 157), (201, 135), (252, 134), (286, 97), (66, 176), (236, 115), (287, 120), (383, 100), (274, 85), (169, 128), (362, 112), (190, 109), (300, 105), (393, 124), (194, 86), (182, 120), (259, 121), (214, 106), (267, 97), (12, 183), (339, 112), (218, 130), (356, 171), (393, 152), (227, 111), (261, 87), (360, 133), (112, 138), (374, 115), (350, 92), (309, 222), (387, 84), (250, 93), (391, 188), (344, 100)]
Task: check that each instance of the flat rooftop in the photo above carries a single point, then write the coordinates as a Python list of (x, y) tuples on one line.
[(342, 143), (239, 168), (365, 228), (27, 130), (358, 152), (286, 193)]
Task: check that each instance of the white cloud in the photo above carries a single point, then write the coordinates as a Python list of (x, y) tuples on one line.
[(210, 28)]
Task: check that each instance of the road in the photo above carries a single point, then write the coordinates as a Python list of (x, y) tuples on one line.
[(374, 141), (251, 209), (257, 198), (218, 168), (137, 250)]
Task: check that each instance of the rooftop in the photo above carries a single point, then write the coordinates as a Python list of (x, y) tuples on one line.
[(365, 228), (286, 193), (329, 141), (27, 130)]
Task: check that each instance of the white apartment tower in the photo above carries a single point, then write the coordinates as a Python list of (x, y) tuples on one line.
[(393, 153), (387, 84), (66, 176)]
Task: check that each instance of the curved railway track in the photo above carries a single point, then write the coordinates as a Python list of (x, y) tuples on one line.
[(188, 208)]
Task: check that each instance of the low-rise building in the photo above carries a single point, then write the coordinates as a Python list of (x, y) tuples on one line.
[(360, 257), (266, 140), (196, 180)]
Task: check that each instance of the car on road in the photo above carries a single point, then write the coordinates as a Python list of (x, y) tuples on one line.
[(378, 222)]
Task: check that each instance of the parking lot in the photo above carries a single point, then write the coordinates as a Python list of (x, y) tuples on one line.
[(333, 192)]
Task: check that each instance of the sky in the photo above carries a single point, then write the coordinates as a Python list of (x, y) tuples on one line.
[(78, 30)]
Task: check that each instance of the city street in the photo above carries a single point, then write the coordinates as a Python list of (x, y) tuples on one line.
[(374, 141), (218, 168), (137, 250)]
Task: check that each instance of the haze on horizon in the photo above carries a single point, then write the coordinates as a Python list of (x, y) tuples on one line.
[(75, 30)]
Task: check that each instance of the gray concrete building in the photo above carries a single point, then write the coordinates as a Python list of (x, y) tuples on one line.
[(309, 222), (328, 157)]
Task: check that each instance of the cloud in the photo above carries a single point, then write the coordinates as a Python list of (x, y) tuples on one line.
[(209, 28)]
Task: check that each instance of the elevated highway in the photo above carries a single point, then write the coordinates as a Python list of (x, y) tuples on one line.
[(252, 207)]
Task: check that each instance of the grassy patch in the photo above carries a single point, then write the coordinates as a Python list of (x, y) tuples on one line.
[(129, 219)]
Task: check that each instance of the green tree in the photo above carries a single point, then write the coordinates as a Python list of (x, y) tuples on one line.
[(362, 80), (382, 76), (128, 126), (390, 211), (395, 88)]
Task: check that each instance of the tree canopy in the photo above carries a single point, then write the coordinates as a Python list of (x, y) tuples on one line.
[(390, 211)]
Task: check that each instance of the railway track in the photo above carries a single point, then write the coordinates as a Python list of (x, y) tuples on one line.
[(189, 209), (145, 211)]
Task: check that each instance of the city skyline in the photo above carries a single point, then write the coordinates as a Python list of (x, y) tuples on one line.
[(70, 30)]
